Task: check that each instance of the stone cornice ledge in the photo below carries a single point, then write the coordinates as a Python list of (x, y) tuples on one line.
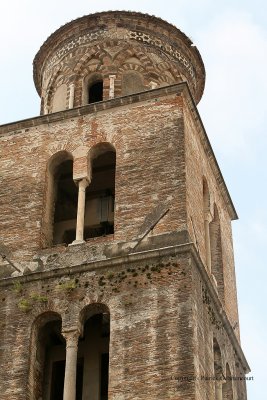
[(137, 257), (104, 105)]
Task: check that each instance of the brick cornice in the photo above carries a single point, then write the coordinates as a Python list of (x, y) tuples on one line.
[(101, 106), (137, 257)]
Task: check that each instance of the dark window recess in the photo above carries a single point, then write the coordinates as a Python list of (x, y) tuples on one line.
[(69, 236), (106, 205), (79, 379), (95, 92), (67, 193), (100, 197), (105, 229), (104, 376), (96, 360), (57, 381), (65, 204), (105, 331)]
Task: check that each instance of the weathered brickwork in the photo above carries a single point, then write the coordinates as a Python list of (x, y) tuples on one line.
[(164, 275), (209, 325), (135, 132), (195, 172)]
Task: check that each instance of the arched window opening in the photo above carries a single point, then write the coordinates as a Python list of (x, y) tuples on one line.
[(216, 253), (48, 356), (66, 195), (93, 348), (227, 389), (100, 194), (48, 365), (59, 98), (53, 344), (95, 92), (60, 201), (132, 82), (218, 372)]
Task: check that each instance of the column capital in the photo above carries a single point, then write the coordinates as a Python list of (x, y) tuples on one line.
[(72, 337), (83, 183)]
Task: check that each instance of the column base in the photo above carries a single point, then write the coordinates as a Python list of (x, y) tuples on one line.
[(76, 242)]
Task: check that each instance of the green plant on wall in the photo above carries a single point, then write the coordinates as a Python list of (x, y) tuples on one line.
[(24, 305), (67, 286), (17, 287), (38, 297)]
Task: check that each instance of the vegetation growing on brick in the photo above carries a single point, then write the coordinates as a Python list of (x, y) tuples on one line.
[(25, 305), (67, 285), (17, 287)]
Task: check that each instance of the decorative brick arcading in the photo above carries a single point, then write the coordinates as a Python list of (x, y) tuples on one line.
[(159, 47)]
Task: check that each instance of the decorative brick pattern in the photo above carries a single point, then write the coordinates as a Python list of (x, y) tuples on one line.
[(68, 59)]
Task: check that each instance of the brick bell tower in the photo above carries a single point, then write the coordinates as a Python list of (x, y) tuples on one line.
[(117, 269)]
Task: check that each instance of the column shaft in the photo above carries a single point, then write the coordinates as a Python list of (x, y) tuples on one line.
[(81, 211), (71, 96), (111, 86), (71, 365), (218, 390)]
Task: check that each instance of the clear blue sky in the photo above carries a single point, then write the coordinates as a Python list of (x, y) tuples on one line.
[(231, 36)]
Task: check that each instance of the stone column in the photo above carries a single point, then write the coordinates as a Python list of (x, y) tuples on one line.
[(152, 85), (111, 86), (207, 240), (72, 338), (71, 97), (83, 183), (218, 390)]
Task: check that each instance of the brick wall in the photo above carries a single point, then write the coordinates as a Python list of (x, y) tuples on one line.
[(163, 305)]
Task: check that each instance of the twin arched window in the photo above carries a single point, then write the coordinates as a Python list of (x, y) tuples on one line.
[(60, 221), (48, 360)]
